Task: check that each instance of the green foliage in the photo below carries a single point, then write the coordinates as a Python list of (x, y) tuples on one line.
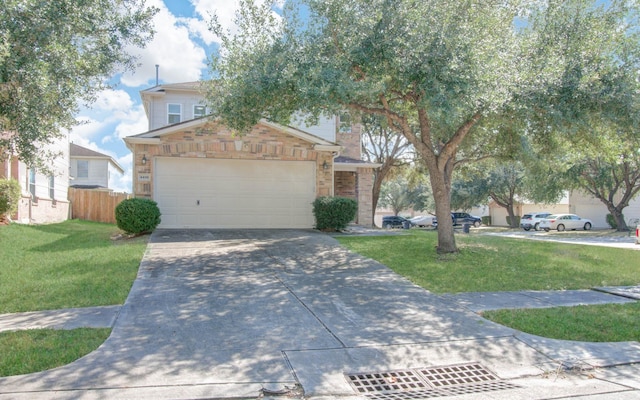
[(55, 56), (455, 78), (137, 215), (334, 213), (9, 196), (612, 221), (399, 195), (486, 220)]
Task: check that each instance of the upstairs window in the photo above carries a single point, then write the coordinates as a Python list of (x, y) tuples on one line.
[(344, 123), (199, 111), (83, 169), (174, 113)]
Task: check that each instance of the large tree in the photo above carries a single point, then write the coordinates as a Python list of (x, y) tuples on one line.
[(383, 146), (508, 183), (440, 72), (607, 166), (54, 55)]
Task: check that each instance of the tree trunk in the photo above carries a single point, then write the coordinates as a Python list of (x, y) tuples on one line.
[(512, 216), (377, 185), (441, 195), (619, 218)]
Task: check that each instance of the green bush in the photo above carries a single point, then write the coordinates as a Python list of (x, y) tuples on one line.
[(334, 213), (486, 220), (517, 217), (612, 221), (137, 216), (9, 196)]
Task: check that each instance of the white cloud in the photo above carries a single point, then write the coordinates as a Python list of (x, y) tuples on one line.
[(87, 128), (179, 57), (113, 116)]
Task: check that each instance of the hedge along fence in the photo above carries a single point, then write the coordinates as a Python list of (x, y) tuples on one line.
[(95, 205)]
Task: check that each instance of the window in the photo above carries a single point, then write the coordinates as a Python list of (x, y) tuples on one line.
[(83, 169), (52, 190), (174, 113), (199, 111), (32, 182), (344, 123)]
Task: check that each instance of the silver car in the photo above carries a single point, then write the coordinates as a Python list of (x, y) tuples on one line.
[(563, 222)]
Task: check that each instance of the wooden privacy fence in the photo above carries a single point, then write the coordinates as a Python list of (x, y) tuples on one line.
[(95, 205)]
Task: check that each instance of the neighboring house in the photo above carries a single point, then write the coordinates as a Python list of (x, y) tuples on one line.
[(44, 197), (575, 202), (202, 175), (90, 169)]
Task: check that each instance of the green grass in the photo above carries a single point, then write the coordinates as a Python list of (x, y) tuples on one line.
[(41, 349), (490, 263), (71, 264), (599, 323)]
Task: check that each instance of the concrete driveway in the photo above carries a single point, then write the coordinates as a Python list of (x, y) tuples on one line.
[(226, 314)]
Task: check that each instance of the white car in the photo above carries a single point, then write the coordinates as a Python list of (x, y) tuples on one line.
[(563, 222), (422, 220), (532, 220)]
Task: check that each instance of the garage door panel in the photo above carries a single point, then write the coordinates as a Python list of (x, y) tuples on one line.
[(234, 193)]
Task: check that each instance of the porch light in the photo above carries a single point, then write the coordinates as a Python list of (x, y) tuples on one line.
[(144, 159), (325, 166)]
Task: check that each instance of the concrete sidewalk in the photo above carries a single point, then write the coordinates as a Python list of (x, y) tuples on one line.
[(227, 314)]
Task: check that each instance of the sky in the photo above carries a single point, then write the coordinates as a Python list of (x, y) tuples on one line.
[(182, 46)]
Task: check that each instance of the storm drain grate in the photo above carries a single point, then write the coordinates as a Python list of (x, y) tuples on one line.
[(427, 383), (386, 381), (456, 375)]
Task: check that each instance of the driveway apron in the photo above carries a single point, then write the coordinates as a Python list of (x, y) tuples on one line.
[(225, 313)]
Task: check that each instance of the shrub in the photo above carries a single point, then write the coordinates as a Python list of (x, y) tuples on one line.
[(486, 220), (137, 216), (9, 196), (334, 213), (612, 221)]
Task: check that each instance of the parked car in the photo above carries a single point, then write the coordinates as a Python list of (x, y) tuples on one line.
[(562, 222), (422, 220), (532, 220), (461, 218), (394, 221)]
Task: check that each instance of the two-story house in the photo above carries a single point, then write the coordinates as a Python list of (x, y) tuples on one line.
[(91, 169), (203, 175), (44, 195)]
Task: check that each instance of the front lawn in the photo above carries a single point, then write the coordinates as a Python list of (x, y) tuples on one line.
[(597, 323), (491, 264), (71, 264), (37, 350)]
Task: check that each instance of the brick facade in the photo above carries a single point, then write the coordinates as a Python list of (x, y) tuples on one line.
[(216, 141)]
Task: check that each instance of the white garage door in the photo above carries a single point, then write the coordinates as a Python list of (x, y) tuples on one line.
[(214, 193)]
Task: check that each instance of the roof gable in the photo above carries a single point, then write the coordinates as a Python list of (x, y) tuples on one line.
[(203, 121), (76, 151)]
